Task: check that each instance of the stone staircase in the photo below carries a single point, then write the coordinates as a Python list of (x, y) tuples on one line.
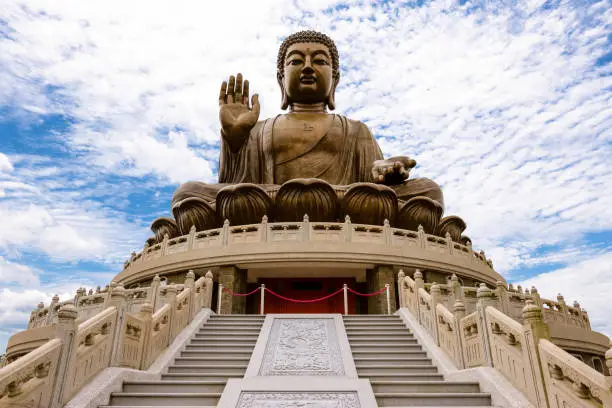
[(220, 350), (401, 374)]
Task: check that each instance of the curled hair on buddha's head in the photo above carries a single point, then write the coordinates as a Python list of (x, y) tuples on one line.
[(306, 37)]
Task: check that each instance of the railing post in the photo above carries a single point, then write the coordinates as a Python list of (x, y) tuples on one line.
[(436, 294), (348, 229), (306, 228), (419, 283), (400, 288), (387, 233), (66, 331), (609, 364), (421, 235), (219, 294), (191, 238), (459, 312), (225, 233), (154, 292), (535, 329), (117, 299), (262, 292), (164, 248), (190, 284), (344, 290), (264, 229), (146, 312), (485, 297), (502, 296), (171, 292), (207, 303), (388, 298)]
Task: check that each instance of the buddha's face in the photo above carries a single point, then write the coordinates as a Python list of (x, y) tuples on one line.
[(308, 74)]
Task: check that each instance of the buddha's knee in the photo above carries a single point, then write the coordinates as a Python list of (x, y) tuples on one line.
[(197, 189), (420, 187)]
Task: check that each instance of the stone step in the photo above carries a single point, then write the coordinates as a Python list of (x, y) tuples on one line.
[(149, 406), (210, 360), (378, 332), (248, 318), (371, 316), (391, 362), (219, 333), (169, 399), (209, 369), (443, 399), (423, 386), (430, 377), (174, 386), (382, 339), (218, 353), (374, 323), (226, 348), (200, 338), (385, 354), (383, 369), (231, 325), (222, 376), (362, 346)]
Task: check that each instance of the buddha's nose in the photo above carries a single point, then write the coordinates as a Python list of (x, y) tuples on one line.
[(307, 69)]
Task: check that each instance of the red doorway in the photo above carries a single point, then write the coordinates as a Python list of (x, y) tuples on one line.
[(306, 289)]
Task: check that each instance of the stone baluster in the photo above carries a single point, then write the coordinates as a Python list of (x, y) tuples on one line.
[(421, 235), (502, 296), (208, 290), (401, 292), (305, 228), (534, 330), (456, 290), (449, 243), (190, 284), (387, 232), (191, 238), (164, 246), (419, 283), (118, 300), (154, 292), (65, 330), (563, 307), (171, 292), (535, 296), (436, 295), (52, 311), (485, 299), (459, 312), (146, 314), (264, 229), (348, 229), (225, 233)]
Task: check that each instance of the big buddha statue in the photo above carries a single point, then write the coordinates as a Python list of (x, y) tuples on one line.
[(307, 161)]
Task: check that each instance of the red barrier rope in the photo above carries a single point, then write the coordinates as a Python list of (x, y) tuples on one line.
[(367, 294), (241, 294), (303, 301)]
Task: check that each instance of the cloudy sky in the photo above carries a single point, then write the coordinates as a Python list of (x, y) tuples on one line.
[(106, 107)]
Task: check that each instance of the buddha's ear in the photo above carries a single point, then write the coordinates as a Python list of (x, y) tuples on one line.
[(331, 101), (284, 100)]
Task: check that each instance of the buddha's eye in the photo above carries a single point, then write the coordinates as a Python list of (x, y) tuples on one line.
[(321, 61), (295, 61)]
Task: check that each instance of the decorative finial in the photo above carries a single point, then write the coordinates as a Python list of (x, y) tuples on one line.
[(458, 306), (484, 291), (447, 235), (190, 274), (347, 219), (420, 228), (209, 274), (305, 219), (226, 223), (264, 219), (386, 223), (192, 230), (454, 278), (418, 274), (401, 275)]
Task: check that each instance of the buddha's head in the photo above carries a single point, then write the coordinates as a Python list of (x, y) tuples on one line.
[(308, 69)]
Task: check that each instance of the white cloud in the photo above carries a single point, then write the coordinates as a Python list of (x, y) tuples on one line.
[(5, 163), (11, 272), (588, 282)]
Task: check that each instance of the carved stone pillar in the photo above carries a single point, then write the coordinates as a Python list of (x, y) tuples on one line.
[(234, 279), (376, 280), (65, 330)]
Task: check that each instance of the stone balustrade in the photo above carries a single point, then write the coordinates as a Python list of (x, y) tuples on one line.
[(520, 350), (51, 374), (306, 241)]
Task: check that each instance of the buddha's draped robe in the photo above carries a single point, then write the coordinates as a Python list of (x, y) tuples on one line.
[(355, 151)]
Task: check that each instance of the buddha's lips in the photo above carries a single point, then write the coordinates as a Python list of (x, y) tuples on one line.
[(308, 79)]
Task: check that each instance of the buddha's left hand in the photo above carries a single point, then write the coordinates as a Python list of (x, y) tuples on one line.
[(392, 171)]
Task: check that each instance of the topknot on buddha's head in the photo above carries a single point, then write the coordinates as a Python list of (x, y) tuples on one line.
[(306, 37)]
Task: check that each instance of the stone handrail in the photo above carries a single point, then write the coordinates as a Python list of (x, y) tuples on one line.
[(55, 371), (94, 342), (448, 335), (132, 346), (31, 378), (510, 352), (473, 350), (570, 382), (426, 317), (521, 351), (424, 248)]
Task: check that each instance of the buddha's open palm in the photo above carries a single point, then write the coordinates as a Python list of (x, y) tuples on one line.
[(392, 171), (236, 115)]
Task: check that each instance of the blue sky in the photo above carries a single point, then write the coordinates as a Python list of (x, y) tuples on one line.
[(106, 107)]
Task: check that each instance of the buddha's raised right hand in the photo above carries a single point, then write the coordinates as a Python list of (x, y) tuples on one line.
[(237, 117)]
